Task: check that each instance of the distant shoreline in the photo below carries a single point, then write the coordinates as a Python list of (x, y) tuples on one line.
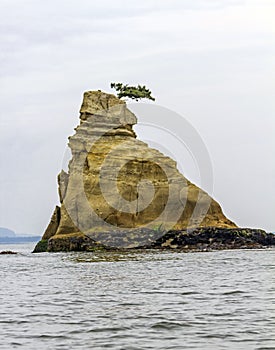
[(19, 240)]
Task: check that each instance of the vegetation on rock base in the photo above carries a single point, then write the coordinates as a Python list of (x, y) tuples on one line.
[(41, 246)]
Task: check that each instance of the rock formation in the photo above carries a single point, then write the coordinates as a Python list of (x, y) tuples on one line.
[(118, 187)]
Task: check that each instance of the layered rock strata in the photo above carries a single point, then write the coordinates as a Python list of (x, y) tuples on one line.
[(119, 190)]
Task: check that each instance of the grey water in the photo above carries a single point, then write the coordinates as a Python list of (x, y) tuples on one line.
[(137, 300)]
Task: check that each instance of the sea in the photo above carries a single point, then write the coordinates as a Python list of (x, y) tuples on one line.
[(137, 300)]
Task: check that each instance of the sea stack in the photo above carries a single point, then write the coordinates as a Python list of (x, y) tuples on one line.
[(118, 192)]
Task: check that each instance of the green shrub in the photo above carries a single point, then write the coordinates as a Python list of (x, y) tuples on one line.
[(134, 92)]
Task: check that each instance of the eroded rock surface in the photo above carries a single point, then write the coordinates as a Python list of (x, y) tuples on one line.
[(116, 185)]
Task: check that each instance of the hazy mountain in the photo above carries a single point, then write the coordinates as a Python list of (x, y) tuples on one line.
[(5, 232), (8, 236)]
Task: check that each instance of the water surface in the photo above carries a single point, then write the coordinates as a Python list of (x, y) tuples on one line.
[(138, 300)]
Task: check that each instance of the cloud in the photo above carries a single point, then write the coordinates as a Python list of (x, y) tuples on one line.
[(212, 60)]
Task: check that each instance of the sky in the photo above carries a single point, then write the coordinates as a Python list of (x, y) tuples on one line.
[(211, 61)]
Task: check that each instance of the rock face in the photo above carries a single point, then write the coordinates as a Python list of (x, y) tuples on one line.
[(116, 185), (53, 225)]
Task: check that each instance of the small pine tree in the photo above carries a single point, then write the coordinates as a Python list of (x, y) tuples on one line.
[(134, 92)]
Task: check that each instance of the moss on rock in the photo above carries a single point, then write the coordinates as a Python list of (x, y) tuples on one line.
[(41, 246)]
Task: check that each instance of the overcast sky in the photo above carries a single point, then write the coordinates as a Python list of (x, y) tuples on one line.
[(212, 61)]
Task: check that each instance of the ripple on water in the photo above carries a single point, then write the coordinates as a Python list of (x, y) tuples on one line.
[(138, 300)]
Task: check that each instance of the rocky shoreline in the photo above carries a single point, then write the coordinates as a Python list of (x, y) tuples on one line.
[(196, 239)]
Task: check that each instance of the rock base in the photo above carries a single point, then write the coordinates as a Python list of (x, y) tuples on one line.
[(198, 239), (67, 243), (212, 238)]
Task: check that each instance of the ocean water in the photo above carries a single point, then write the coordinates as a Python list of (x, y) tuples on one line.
[(138, 300)]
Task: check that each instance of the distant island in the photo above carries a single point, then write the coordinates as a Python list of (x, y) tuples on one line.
[(8, 236), (5, 232)]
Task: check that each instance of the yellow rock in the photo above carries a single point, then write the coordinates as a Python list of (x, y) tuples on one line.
[(116, 182)]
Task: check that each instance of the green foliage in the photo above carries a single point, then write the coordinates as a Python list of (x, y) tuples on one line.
[(41, 246), (134, 92), (158, 228)]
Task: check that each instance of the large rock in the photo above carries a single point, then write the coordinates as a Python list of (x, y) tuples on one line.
[(117, 186)]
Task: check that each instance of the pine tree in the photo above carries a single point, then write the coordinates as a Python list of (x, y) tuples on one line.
[(134, 92)]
